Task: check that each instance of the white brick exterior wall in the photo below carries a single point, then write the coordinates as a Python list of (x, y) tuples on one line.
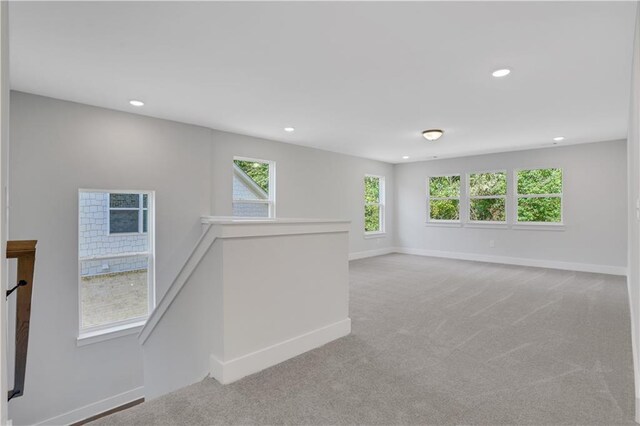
[(96, 241), (242, 191)]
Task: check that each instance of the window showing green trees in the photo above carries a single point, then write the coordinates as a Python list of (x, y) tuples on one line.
[(444, 198), (373, 204), (487, 196), (257, 171), (540, 195)]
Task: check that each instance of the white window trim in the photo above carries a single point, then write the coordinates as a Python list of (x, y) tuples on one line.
[(487, 223), (271, 201), (445, 222), (120, 328), (381, 206), (537, 225), (140, 210)]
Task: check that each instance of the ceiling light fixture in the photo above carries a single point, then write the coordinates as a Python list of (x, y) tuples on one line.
[(503, 72), (136, 103), (289, 129), (405, 157), (432, 134), (558, 138)]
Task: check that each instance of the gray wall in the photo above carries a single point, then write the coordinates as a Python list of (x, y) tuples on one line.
[(633, 158), (58, 147), (4, 160), (595, 212), (310, 183)]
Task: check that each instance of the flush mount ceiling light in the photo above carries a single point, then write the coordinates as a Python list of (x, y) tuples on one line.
[(558, 138), (289, 129), (432, 134), (405, 157), (502, 72), (136, 103)]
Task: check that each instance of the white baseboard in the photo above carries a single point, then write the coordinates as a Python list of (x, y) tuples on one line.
[(552, 264), (371, 253), (235, 369), (95, 408)]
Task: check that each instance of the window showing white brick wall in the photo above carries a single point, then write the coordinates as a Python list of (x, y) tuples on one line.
[(95, 239), (116, 269)]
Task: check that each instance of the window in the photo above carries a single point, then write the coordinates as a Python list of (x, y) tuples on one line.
[(116, 259), (444, 198), (487, 197), (373, 204), (128, 213), (539, 194), (253, 188)]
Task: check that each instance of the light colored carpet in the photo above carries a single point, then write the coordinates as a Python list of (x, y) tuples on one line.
[(439, 341)]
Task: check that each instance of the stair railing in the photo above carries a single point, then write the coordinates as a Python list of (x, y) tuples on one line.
[(25, 252)]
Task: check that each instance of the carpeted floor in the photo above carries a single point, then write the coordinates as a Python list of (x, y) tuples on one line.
[(439, 341)]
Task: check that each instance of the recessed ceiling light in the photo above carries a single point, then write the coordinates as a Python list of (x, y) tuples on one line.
[(289, 129), (405, 157), (558, 138), (503, 72), (432, 134), (136, 103), (434, 157)]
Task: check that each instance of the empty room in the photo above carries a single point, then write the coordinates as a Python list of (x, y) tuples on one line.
[(320, 213)]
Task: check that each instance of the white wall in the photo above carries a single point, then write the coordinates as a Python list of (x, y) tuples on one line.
[(58, 147), (595, 212), (633, 158)]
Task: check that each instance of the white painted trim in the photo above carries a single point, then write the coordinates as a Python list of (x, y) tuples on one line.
[(114, 332), (538, 263), (376, 234), (637, 417), (371, 253), (95, 408), (235, 369)]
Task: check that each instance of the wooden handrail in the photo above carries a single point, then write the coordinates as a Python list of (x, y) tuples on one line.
[(25, 252)]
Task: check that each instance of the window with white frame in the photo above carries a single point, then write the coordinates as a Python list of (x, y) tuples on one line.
[(539, 195), (128, 213), (373, 204), (487, 197), (253, 187), (116, 259), (443, 198)]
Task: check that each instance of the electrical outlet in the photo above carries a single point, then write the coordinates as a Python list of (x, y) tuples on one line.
[(492, 243)]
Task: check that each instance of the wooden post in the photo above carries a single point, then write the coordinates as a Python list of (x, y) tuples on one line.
[(25, 252)]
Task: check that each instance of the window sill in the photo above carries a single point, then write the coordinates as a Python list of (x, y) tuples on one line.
[(91, 337), (490, 225), (444, 224), (368, 235), (538, 226)]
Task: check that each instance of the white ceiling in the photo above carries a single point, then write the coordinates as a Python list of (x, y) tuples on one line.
[(358, 78)]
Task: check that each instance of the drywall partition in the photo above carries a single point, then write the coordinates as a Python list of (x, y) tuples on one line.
[(633, 158), (594, 236), (180, 335), (75, 146), (234, 306)]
